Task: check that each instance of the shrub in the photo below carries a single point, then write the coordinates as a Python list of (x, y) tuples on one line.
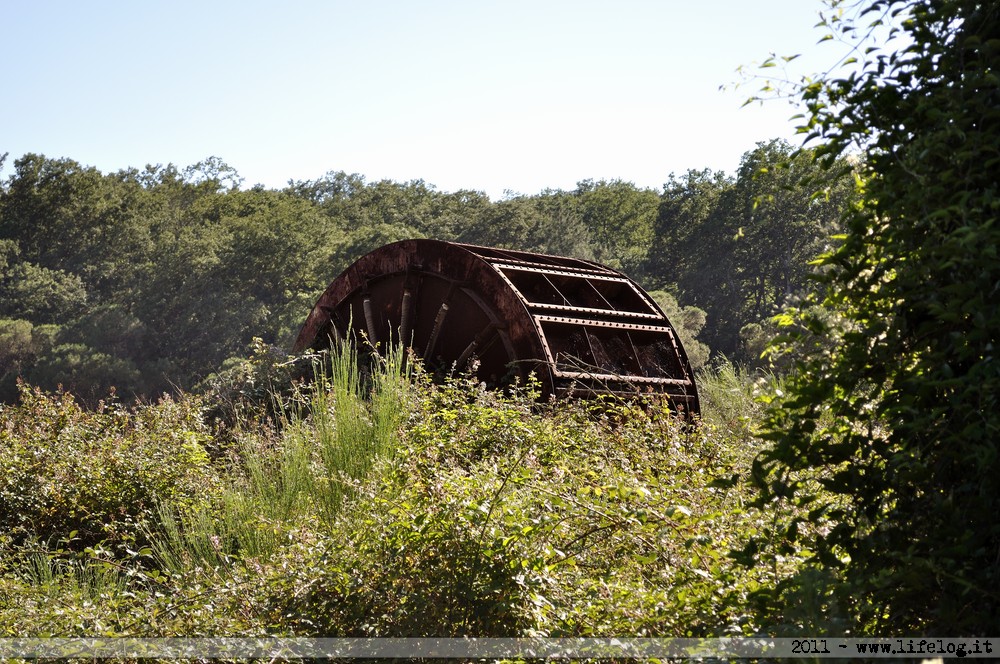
[(498, 517), (92, 476), (386, 510)]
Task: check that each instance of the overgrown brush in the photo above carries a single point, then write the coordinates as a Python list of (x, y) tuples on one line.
[(498, 518), (85, 477), (298, 474), (378, 505)]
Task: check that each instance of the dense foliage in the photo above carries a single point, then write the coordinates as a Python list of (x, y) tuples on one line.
[(378, 507), (149, 280), (896, 413), (378, 504), (91, 476), (739, 248)]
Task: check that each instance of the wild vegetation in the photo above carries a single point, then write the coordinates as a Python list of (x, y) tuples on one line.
[(894, 410), (383, 506), (151, 280), (851, 489)]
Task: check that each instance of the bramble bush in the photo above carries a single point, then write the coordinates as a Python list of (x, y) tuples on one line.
[(399, 508), (85, 477), (497, 517)]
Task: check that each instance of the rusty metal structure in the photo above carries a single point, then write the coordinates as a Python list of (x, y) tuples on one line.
[(583, 328)]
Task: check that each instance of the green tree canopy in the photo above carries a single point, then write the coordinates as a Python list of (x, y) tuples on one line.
[(71, 218), (620, 218), (739, 248), (47, 296), (898, 415)]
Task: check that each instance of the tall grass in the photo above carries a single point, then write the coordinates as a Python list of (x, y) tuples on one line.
[(302, 472), (92, 576), (355, 418), (731, 394)]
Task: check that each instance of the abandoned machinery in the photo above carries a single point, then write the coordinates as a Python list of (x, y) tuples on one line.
[(583, 328)]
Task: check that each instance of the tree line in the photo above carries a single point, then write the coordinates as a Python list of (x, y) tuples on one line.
[(149, 280)]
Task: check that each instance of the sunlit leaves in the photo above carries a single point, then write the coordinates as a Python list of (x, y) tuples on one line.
[(889, 417)]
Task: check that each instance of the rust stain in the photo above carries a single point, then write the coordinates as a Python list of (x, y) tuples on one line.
[(581, 327)]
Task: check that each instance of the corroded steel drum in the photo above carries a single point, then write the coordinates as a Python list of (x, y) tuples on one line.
[(583, 328)]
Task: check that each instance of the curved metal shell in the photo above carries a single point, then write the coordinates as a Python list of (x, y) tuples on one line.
[(581, 327)]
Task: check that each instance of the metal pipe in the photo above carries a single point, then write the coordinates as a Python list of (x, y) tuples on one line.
[(473, 345)]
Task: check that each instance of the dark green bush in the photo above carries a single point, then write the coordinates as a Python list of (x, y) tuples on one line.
[(88, 476), (894, 407), (404, 570)]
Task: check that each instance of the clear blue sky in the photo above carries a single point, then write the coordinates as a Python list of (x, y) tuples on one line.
[(518, 95)]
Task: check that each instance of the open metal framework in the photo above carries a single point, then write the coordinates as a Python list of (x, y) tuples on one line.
[(583, 328)]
